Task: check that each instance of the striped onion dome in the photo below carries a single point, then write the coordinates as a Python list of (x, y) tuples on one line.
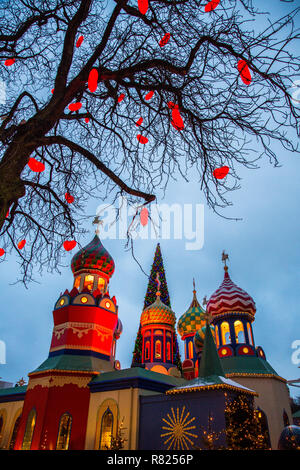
[(230, 298), (158, 313), (193, 319), (93, 257)]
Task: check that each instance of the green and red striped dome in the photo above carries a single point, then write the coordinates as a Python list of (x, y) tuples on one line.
[(93, 257)]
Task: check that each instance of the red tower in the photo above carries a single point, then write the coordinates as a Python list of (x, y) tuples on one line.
[(86, 327)]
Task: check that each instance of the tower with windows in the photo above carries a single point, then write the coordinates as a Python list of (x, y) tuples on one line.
[(158, 332), (192, 321), (86, 329)]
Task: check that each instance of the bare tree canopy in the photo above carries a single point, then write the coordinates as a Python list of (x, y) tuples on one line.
[(220, 83)]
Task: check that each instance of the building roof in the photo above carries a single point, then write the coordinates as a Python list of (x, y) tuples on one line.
[(193, 319), (72, 363), (93, 257), (13, 393), (210, 363), (250, 365), (230, 298), (158, 313)]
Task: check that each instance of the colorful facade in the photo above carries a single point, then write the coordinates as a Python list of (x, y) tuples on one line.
[(78, 398)]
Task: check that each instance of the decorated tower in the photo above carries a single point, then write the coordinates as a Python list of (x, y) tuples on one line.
[(192, 321), (150, 298), (158, 331), (86, 328), (232, 312)]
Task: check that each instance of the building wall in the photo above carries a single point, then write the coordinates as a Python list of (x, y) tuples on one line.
[(273, 399), (12, 410)]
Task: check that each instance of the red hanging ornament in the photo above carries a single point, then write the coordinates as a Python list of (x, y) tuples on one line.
[(93, 80), (87, 120), (7, 214), (35, 165), (164, 40), (139, 121), (79, 41), (221, 172), (149, 95), (2, 252), (121, 97), (144, 214), (142, 139), (9, 62), (171, 105), (69, 245), (52, 91), (212, 5), (21, 244), (74, 106), (69, 198), (244, 72), (143, 6), (177, 121)]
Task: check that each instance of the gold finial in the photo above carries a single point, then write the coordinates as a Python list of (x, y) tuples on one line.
[(21, 382), (98, 222), (194, 285), (224, 258)]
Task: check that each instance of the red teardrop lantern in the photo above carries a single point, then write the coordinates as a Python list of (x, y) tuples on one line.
[(139, 121), (149, 95), (164, 40), (221, 172), (212, 5), (93, 80), (142, 139), (35, 165), (9, 62), (69, 198), (69, 245), (21, 244), (244, 72), (75, 106), (121, 97), (87, 120), (144, 214), (143, 6), (79, 41), (177, 121), (2, 252)]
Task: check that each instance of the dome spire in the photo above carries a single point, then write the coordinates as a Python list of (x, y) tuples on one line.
[(97, 222), (158, 284), (224, 258)]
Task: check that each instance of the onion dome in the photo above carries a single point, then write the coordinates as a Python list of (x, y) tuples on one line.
[(93, 257), (158, 312), (118, 330), (193, 319), (230, 298), (200, 335)]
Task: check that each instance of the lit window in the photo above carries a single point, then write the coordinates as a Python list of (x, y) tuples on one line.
[(14, 433), (101, 284), (239, 332), (250, 334), (30, 425), (217, 336), (62, 302), (147, 351), (77, 282), (107, 304), (191, 350), (168, 352), (89, 282), (225, 333), (245, 350), (223, 352), (83, 300), (64, 432), (158, 350), (106, 430)]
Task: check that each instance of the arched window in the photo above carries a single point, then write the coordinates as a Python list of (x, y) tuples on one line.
[(89, 282), (264, 428), (64, 432), (217, 336), (14, 433), (30, 425), (191, 350), (168, 351), (101, 284), (239, 332), (250, 334), (147, 351), (158, 349), (106, 430), (77, 282), (225, 333)]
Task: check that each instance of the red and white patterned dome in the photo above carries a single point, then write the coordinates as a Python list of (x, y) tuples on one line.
[(230, 298)]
